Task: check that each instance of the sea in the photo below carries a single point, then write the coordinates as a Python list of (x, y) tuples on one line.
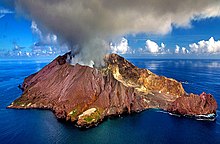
[(148, 127)]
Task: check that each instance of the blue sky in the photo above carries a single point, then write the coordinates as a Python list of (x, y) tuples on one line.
[(17, 36), (17, 31), (200, 30)]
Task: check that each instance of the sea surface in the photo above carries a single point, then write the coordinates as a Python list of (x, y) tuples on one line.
[(150, 126)]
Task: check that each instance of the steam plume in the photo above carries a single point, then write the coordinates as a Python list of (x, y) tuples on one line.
[(86, 25)]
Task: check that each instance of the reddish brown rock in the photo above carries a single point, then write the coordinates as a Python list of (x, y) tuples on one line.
[(87, 95), (194, 105)]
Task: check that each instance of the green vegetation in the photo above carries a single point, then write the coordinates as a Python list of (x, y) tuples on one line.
[(18, 103), (73, 112), (88, 119), (94, 117)]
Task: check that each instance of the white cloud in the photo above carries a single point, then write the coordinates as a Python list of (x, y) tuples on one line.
[(3, 12), (211, 46), (182, 50), (35, 28), (118, 17), (202, 47), (177, 50), (153, 47), (51, 39), (46, 43), (80, 22), (121, 48), (162, 45), (185, 51), (44, 39)]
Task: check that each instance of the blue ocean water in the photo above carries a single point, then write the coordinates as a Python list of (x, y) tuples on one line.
[(150, 126)]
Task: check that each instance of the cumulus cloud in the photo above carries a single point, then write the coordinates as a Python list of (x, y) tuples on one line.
[(185, 51), (210, 46), (121, 47), (177, 50), (182, 50), (153, 47), (81, 23)]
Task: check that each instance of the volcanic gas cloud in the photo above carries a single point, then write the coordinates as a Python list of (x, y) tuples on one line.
[(87, 26)]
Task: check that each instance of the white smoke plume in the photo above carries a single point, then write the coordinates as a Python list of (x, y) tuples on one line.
[(87, 25)]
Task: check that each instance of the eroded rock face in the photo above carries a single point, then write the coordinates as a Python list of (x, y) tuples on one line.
[(194, 105), (87, 95)]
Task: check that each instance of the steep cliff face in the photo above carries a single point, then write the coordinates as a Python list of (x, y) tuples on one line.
[(86, 95), (194, 105)]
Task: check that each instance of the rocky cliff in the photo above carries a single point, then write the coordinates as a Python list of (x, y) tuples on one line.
[(86, 95)]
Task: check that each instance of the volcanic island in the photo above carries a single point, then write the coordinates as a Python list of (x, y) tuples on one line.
[(86, 95)]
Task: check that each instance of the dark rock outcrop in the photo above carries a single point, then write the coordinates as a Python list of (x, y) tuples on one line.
[(87, 95)]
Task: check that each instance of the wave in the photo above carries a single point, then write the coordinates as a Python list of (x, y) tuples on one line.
[(174, 114), (165, 112), (160, 111), (202, 119), (185, 82), (209, 117)]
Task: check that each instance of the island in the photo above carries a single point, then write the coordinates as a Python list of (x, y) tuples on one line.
[(86, 95)]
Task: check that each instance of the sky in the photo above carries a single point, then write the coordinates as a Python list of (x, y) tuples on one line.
[(195, 38)]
